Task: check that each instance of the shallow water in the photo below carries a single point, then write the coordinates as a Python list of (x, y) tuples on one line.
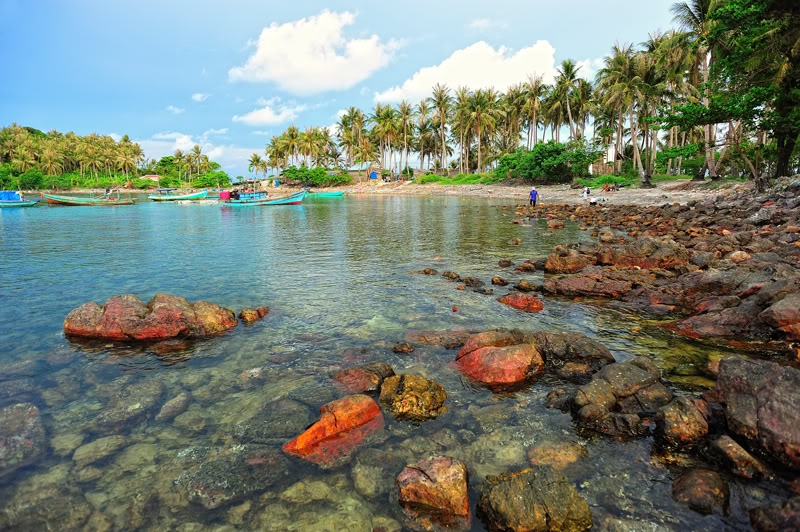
[(335, 274)]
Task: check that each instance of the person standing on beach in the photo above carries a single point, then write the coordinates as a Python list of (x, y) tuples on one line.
[(534, 196)]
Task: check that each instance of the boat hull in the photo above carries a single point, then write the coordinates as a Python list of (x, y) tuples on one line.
[(184, 197), (326, 194), (17, 204), (293, 199), (85, 202)]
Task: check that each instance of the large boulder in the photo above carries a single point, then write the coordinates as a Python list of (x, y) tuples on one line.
[(365, 378), (22, 437), (433, 494), (164, 316), (344, 426), (46, 507), (535, 499), (499, 358), (241, 472), (571, 355), (413, 397), (784, 315), (761, 401)]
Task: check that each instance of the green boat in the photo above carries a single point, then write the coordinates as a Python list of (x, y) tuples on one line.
[(78, 201), (166, 194), (12, 198), (326, 194)]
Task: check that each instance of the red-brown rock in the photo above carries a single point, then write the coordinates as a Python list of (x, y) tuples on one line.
[(502, 366), (249, 315), (344, 426), (525, 302), (433, 492), (164, 316), (366, 378)]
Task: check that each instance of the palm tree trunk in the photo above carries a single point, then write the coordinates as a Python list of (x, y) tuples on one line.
[(569, 115)]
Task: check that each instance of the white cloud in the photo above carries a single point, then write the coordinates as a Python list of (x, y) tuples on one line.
[(477, 66), (589, 68), (116, 136), (272, 113), (260, 132), (175, 110), (200, 96), (312, 55), (210, 132), (230, 157), (486, 24)]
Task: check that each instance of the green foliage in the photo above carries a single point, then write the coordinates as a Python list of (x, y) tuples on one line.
[(8, 177), (142, 184), (460, 179), (407, 172), (32, 179), (211, 179), (427, 179), (548, 162), (605, 180), (317, 176)]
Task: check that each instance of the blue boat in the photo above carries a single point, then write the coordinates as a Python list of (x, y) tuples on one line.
[(326, 194), (12, 198), (260, 199)]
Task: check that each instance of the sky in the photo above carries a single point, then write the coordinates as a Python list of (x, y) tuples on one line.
[(229, 75)]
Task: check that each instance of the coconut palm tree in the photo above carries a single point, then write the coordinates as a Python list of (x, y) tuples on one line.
[(441, 101), (405, 115), (566, 84), (482, 117), (254, 164)]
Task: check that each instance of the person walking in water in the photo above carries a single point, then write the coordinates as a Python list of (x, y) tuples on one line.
[(534, 196)]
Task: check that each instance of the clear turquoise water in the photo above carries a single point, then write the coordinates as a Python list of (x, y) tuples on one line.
[(335, 274)]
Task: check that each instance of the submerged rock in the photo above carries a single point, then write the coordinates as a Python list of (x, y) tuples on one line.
[(776, 517), (98, 450), (164, 316), (520, 301), (433, 494), (175, 406), (129, 405), (344, 426), (249, 315), (571, 355), (413, 397), (447, 339), (366, 378), (247, 470), (761, 401), (373, 472), (22, 437), (558, 455), (46, 508), (535, 499), (274, 422), (704, 491)]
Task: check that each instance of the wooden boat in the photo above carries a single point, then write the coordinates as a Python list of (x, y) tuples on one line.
[(326, 194), (165, 194), (78, 201), (263, 200), (12, 198)]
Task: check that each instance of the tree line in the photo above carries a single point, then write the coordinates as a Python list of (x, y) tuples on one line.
[(685, 101)]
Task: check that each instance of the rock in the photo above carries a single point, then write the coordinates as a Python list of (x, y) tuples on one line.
[(738, 256), (452, 276), (784, 314), (426, 271), (555, 224), (502, 366), (373, 472), (274, 423), (558, 455), (447, 339), (126, 318), (249, 315), (366, 378), (344, 426), (17, 390), (403, 348), (505, 263), (413, 397), (535, 499), (245, 471), (520, 301), (129, 405), (606, 236), (681, 422), (65, 443), (472, 282), (741, 462), (560, 349), (524, 286), (22, 437), (776, 517), (433, 493), (566, 261), (50, 507), (499, 281), (761, 399), (98, 450), (173, 407), (704, 491)]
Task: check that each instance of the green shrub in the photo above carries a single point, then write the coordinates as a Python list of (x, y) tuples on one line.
[(318, 176), (8, 177), (31, 179), (548, 162), (428, 178), (605, 180)]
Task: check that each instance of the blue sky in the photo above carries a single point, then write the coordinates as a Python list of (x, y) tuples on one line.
[(228, 75)]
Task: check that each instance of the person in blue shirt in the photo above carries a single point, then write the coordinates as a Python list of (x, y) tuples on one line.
[(534, 196)]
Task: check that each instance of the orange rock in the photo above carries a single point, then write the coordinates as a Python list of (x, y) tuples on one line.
[(525, 302)]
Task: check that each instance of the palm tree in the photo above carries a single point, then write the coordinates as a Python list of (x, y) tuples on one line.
[(441, 101), (254, 164), (566, 83), (534, 89), (196, 155), (482, 116), (405, 115), (180, 159)]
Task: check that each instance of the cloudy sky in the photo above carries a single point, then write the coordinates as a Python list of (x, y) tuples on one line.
[(228, 75)]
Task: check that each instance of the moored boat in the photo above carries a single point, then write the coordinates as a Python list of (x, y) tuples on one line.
[(80, 201), (12, 198), (326, 194), (261, 199), (166, 194)]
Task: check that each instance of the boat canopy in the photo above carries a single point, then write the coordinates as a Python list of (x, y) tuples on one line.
[(166, 190), (10, 195)]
